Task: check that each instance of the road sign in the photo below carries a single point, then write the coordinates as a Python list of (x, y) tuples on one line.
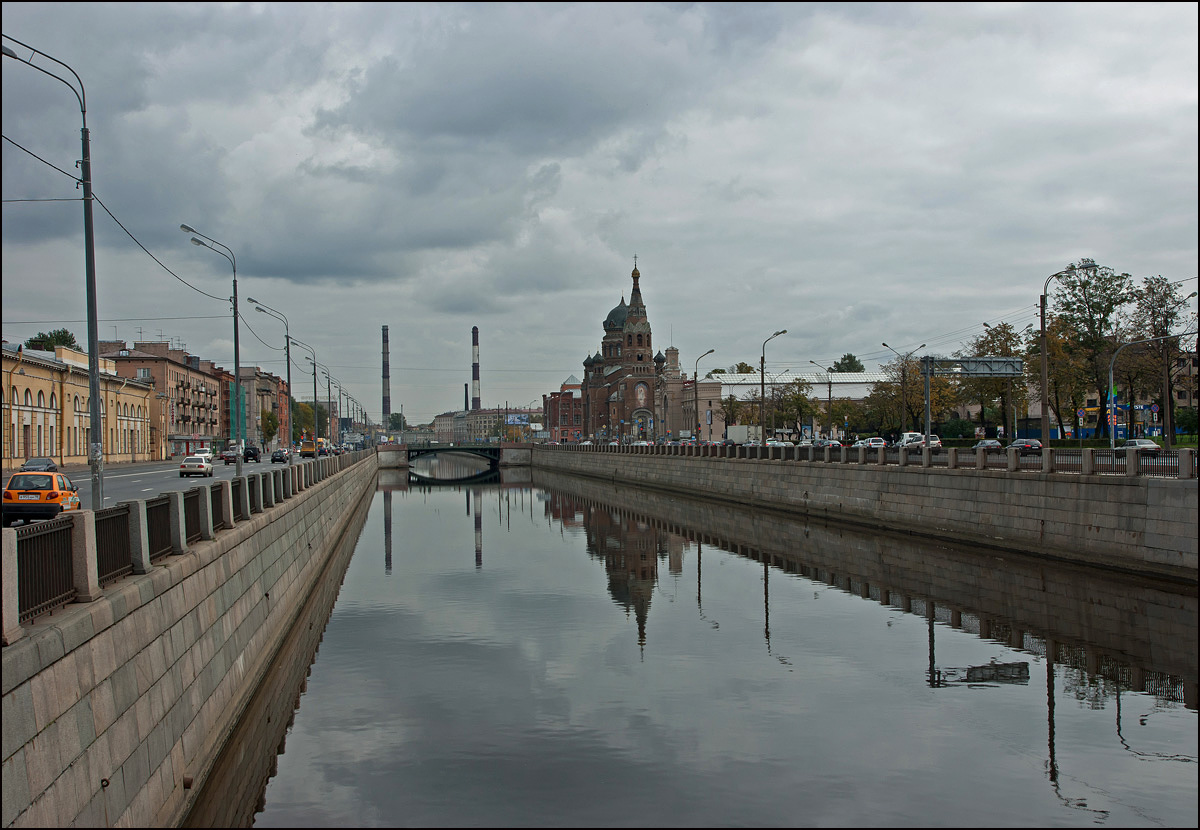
[(1080, 412), (1154, 408)]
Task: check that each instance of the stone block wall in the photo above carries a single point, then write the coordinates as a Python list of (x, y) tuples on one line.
[(1139, 524)]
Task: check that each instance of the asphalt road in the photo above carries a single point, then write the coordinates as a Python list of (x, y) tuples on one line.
[(144, 480)]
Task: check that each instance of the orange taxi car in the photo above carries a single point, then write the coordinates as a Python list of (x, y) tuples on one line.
[(38, 496)]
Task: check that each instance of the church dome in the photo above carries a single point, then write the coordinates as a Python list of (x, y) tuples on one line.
[(616, 317)]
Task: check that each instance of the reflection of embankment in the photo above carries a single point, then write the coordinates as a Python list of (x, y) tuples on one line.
[(1138, 631), (235, 788)]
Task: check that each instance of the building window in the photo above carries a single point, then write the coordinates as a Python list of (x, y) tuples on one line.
[(143, 374)]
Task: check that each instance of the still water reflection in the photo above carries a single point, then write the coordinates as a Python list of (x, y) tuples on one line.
[(565, 652)]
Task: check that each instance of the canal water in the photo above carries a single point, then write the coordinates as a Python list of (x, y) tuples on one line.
[(557, 651)]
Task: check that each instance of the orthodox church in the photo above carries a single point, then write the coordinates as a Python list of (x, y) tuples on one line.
[(619, 381)]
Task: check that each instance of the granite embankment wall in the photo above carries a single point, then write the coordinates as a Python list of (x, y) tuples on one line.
[(1134, 524), (1145, 624), (114, 713)]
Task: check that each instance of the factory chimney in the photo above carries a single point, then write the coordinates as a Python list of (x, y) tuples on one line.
[(387, 382), (474, 367)]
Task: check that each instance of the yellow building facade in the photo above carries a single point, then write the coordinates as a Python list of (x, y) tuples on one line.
[(46, 410)]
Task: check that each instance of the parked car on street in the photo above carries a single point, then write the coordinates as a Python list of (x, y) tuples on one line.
[(1026, 446), (1137, 446), (252, 454), (38, 495), (195, 465), (39, 465), (279, 455), (229, 456), (821, 443), (988, 445)]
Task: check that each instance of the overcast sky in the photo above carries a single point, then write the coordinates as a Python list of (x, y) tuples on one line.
[(851, 173)]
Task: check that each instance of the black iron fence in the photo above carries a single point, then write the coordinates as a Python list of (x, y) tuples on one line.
[(158, 526), (191, 514), (114, 556), (45, 570), (1163, 464), (239, 515), (44, 576), (217, 507)]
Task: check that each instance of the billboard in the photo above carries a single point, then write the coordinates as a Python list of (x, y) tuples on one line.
[(514, 419)]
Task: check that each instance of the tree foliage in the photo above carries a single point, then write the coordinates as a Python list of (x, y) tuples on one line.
[(848, 363), (270, 425), (396, 422), (46, 341), (1090, 298)]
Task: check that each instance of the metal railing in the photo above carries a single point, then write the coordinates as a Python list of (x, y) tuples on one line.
[(44, 577), (158, 526), (191, 514), (1163, 464), (255, 495), (45, 558), (114, 556), (217, 507), (238, 514)]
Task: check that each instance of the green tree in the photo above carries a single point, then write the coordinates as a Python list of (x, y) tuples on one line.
[(1000, 340), (46, 341), (1091, 298), (742, 369), (1159, 311), (1185, 419), (791, 404), (848, 363), (396, 422), (1067, 371), (270, 425), (303, 426)]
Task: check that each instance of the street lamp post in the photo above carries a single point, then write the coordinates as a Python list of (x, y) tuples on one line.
[(96, 450), (829, 400), (1045, 365), (239, 434), (696, 391), (904, 382), (762, 393), (287, 348), (313, 361)]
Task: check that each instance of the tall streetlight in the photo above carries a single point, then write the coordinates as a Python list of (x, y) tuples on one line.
[(1168, 423), (239, 435), (904, 382), (829, 404), (1045, 365), (313, 361), (287, 348), (762, 379), (96, 450), (696, 391)]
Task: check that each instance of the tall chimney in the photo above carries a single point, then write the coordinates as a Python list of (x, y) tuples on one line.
[(387, 382), (466, 396), (474, 367)]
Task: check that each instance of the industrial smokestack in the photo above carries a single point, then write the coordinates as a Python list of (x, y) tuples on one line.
[(387, 381), (466, 396), (474, 367)]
